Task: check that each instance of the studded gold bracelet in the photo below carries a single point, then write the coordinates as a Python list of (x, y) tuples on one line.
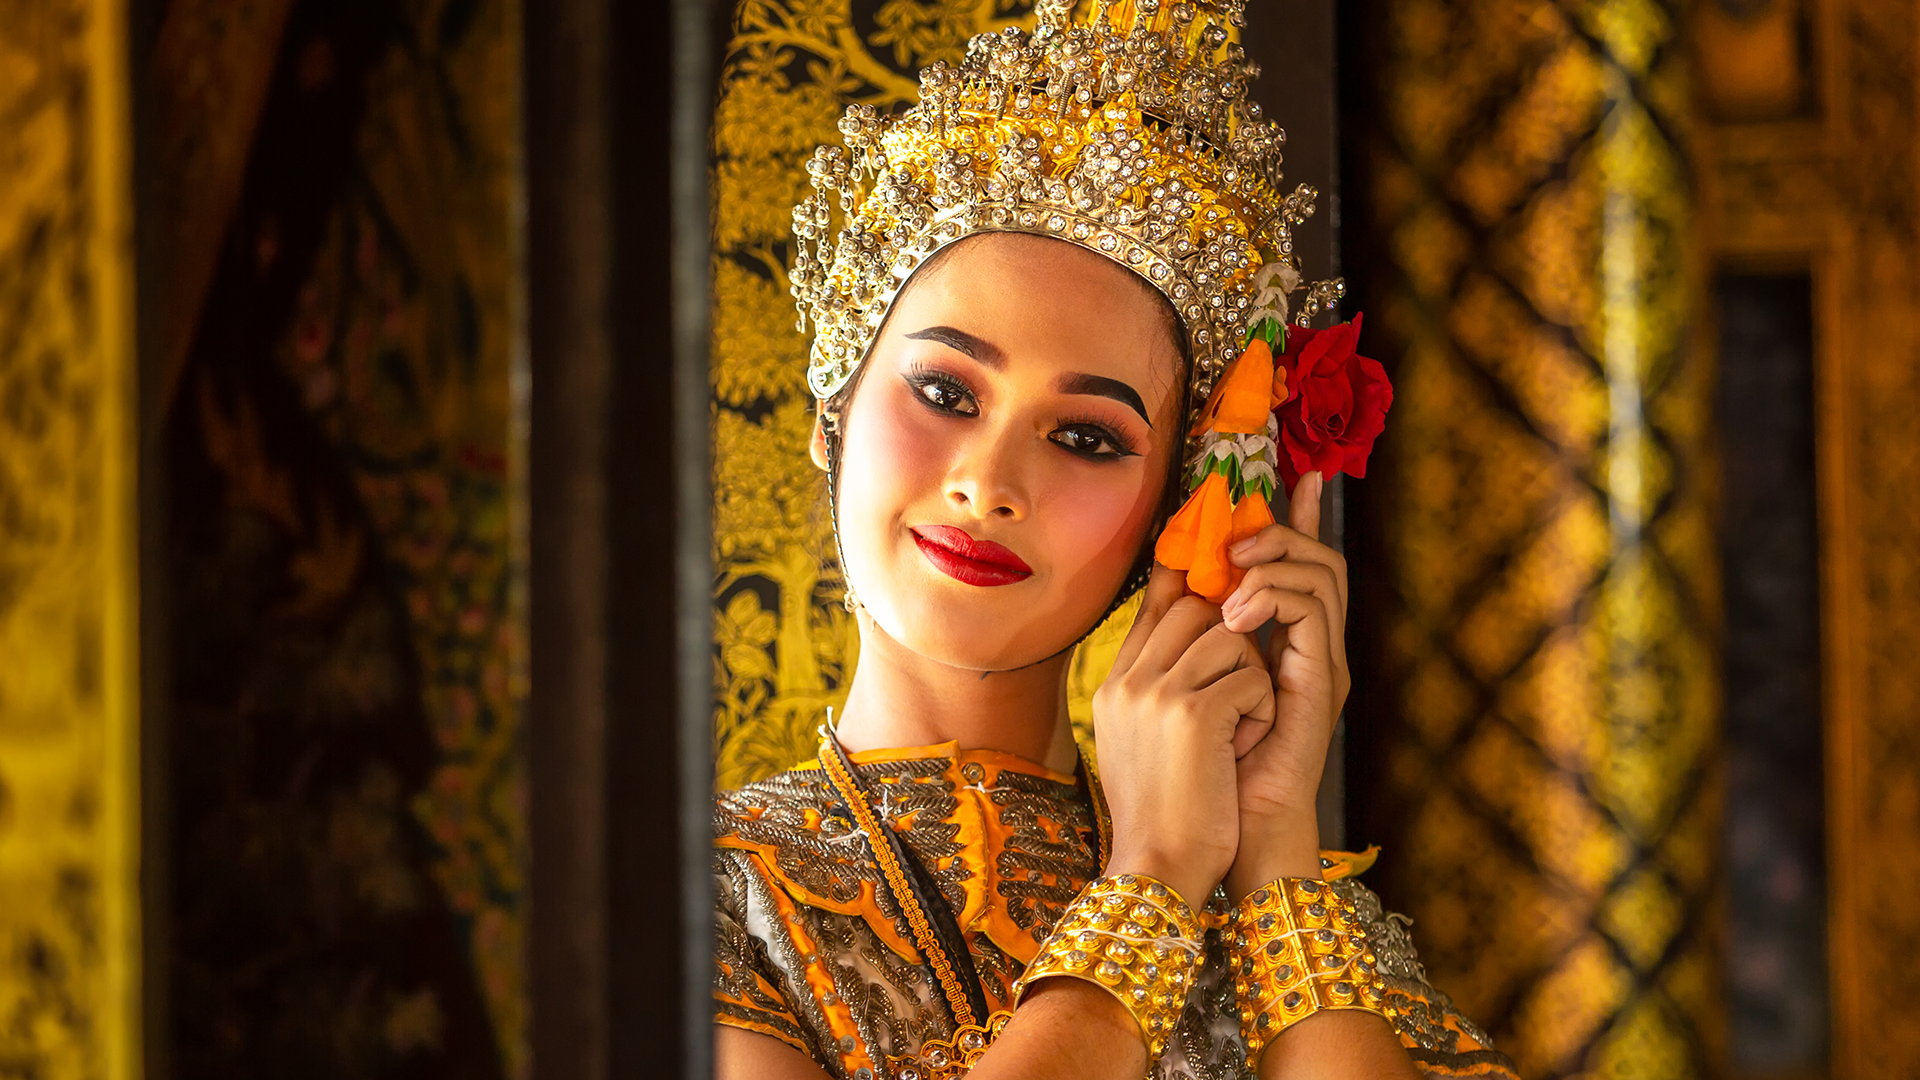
[(1298, 948), (1134, 937)]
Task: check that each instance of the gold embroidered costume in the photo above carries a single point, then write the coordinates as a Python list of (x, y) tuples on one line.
[(876, 913), (808, 951)]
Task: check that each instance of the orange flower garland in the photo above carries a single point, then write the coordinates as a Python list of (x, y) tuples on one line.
[(1247, 445)]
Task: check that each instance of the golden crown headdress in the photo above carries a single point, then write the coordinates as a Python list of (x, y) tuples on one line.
[(1123, 127)]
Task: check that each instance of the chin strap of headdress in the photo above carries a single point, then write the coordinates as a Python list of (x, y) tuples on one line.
[(830, 422)]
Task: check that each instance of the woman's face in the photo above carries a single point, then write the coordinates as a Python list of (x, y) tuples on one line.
[(1006, 450)]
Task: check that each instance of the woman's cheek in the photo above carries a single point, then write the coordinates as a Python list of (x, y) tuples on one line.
[(892, 462), (1100, 521)]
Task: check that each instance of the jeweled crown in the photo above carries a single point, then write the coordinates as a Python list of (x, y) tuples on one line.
[(1123, 127)]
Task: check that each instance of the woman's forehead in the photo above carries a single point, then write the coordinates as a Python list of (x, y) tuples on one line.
[(1051, 302)]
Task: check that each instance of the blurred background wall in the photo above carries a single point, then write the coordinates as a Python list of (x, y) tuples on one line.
[(362, 625), (267, 552)]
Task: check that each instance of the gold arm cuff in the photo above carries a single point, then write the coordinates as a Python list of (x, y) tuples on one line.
[(1298, 948), (1134, 937)]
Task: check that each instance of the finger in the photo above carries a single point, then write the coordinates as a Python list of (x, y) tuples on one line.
[(1164, 586), (1247, 735), (1315, 578), (1303, 658), (1186, 621), (1304, 513), (1214, 655), (1302, 615), (1292, 606), (1278, 542), (1246, 696)]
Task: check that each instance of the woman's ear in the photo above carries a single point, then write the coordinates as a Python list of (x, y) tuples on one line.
[(817, 446)]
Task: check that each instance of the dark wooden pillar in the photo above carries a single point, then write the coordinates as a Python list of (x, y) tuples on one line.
[(1294, 43), (616, 113)]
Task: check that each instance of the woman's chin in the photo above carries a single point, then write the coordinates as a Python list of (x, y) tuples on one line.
[(987, 637), (974, 640)]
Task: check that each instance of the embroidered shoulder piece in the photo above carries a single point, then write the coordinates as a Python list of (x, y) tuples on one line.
[(743, 996), (1440, 1040)]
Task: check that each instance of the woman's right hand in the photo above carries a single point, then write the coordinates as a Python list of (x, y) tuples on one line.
[(1164, 722)]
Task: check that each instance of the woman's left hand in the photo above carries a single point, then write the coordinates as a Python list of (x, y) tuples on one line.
[(1301, 585)]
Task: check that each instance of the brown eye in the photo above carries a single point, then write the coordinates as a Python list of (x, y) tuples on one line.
[(945, 393), (1090, 440)]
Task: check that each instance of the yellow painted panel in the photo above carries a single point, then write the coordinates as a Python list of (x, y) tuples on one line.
[(69, 827)]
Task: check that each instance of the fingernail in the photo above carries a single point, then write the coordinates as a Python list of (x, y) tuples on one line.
[(1242, 547)]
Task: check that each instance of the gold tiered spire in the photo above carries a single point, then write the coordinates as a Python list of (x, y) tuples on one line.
[(1123, 127)]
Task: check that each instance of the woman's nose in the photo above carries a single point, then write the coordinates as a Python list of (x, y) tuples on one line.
[(987, 483)]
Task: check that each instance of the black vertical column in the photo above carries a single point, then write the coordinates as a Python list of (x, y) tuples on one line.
[(616, 105), (1293, 42)]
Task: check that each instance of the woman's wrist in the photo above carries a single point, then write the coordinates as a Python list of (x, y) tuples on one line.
[(1287, 848), (1186, 881)]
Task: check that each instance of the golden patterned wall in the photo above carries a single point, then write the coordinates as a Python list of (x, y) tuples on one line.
[(1548, 532), (69, 939)]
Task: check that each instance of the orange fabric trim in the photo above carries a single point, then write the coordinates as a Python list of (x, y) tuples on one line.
[(1348, 864), (997, 759), (726, 1020), (866, 904), (980, 835), (820, 982)]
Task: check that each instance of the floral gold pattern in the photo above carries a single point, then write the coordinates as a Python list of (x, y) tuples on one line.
[(784, 646), (69, 794)]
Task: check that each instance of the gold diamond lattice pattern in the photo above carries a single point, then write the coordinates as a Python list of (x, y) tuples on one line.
[(1547, 539)]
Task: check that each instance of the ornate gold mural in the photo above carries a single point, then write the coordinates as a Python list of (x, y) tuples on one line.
[(69, 936), (784, 645), (1548, 531)]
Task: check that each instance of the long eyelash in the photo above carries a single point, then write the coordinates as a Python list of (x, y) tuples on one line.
[(920, 376), (1114, 439)]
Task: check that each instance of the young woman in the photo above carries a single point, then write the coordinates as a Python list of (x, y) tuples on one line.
[(1018, 382)]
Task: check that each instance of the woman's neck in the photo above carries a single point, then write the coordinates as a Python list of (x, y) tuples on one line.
[(900, 698)]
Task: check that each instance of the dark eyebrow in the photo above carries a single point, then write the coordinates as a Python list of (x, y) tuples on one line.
[(1101, 386), (960, 341)]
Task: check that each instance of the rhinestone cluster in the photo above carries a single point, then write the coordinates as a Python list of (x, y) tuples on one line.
[(1135, 937), (1123, 128), (1299, 948), (950, 1059)]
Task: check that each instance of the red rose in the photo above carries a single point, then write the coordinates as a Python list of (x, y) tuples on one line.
[(1336, 405)]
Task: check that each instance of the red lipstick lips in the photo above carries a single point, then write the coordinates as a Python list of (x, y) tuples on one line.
[(964, 559)]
